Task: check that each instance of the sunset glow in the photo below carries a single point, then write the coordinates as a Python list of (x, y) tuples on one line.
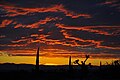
[(53, 60), (61, 29)]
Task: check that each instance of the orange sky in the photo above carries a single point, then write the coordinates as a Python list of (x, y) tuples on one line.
[(52, 60), (61, 28)]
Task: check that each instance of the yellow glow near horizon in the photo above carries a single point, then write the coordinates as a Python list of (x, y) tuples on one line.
[(51, 60)]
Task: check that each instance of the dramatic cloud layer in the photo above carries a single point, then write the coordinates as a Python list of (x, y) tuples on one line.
[(60, 27)]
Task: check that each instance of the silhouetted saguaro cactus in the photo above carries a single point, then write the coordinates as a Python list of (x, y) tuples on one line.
[(70, 65), (37, 60), (100, 65)]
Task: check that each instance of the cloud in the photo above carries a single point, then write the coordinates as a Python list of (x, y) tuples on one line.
[(37, 24), (87, 28), (19, 25), (112, 3), (5, 23), (58, 53), (109, 2), (62, 27), (13, 45), (16, 24), (41, 22), (96, 43), (3, 53), (2, 36), (17, 11)]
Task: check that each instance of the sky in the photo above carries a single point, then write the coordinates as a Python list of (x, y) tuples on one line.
[(61, 28)]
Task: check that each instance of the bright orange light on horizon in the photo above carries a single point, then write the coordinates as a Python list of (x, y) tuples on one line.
[(52, 57), (51, 60)]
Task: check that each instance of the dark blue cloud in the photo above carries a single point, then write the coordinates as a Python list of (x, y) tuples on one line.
[(84, 25)]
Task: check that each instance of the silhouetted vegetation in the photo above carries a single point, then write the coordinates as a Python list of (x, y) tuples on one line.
[(21, 72), (64, 72)]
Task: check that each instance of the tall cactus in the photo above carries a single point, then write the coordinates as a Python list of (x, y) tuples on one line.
[(69, 60), (37, 60), (70, 65)]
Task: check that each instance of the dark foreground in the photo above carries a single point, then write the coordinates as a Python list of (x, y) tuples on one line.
[(59, 73)]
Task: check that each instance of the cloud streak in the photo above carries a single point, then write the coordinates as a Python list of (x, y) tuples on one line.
[(16, 11), (62, 27), (5, 23)]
